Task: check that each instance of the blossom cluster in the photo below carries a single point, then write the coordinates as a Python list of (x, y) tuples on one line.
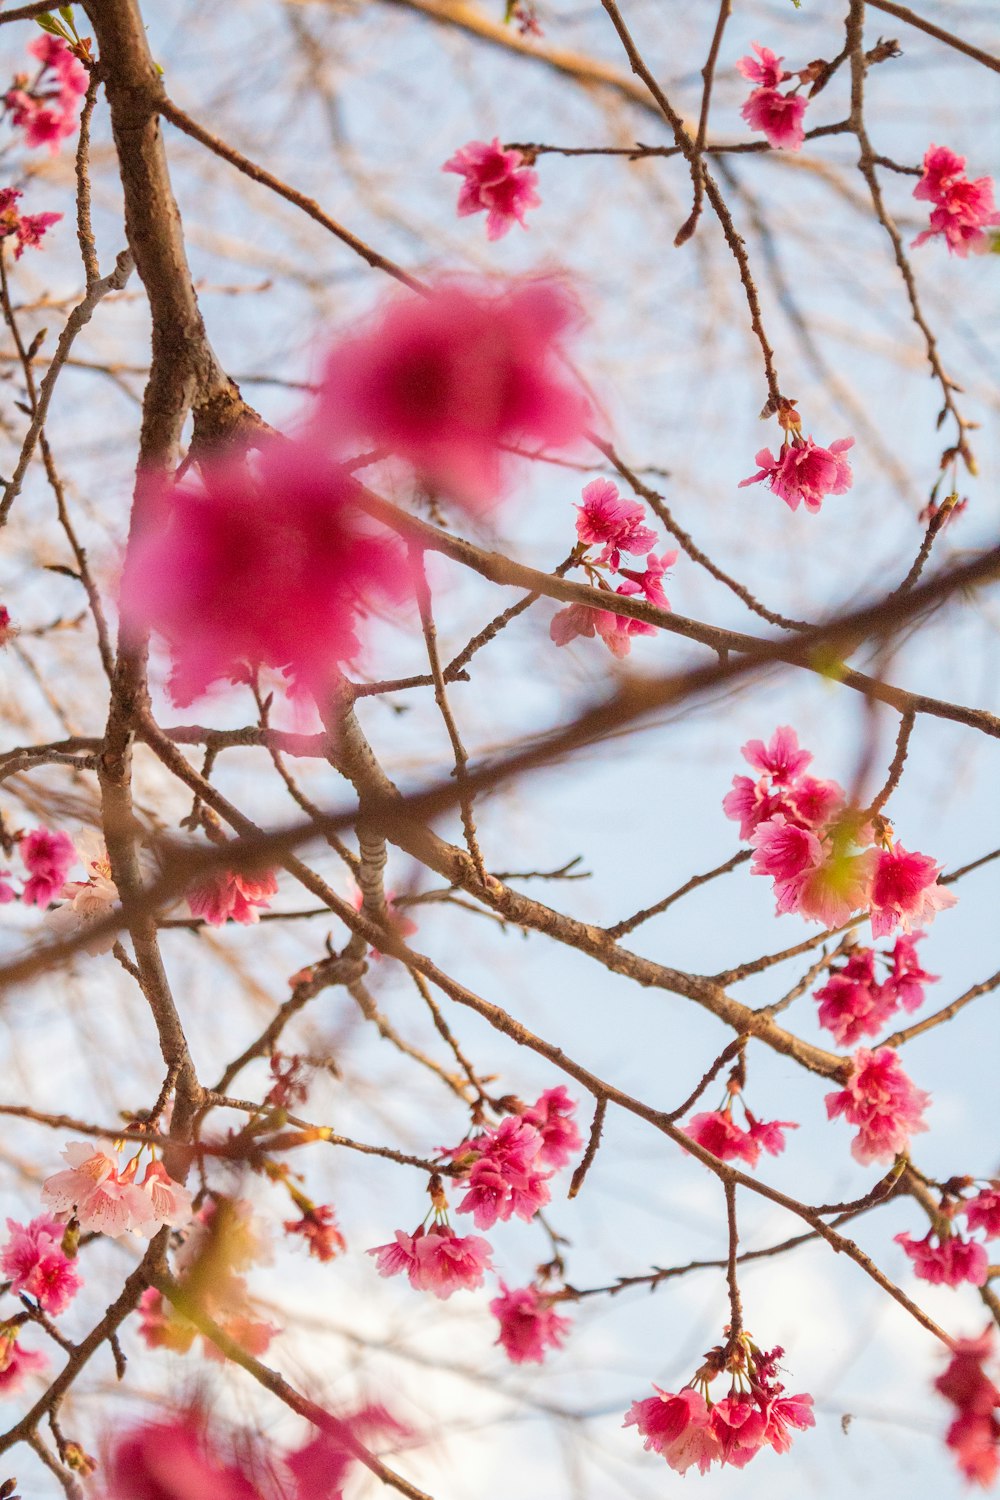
[(688, 1429), (802, 473), (496, 182), (855, 1003), (944, 1256), (47, 856), (778, 116), (229, 896), (882, 1101), (47, 108), (106, 1198), (505, 1171), (963, 209), (25, 229), (715, 1130), (616, 526), (38, 1260), (445, 384), (824, 861), (974, 1434)]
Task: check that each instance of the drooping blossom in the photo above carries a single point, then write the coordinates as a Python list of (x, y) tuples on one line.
[(983, 1211), (551, 1116), (803, 472), (438, 1261), (905, 891), (16, 1362), (678, 1428), (173, 1460), (778, 116), (171, 1200), (765, 69), (784, 1412), (88, 902), (264, 563), (33, 1260), (716, 1131), (948, 1261), (498, 183), (504, 1172), (883, 1102), (102, 1199), (529, 1326), (740, 1426), (445, 381), (26, 229), (608, 520), (963, 209), (318, 1227), (229, 896), (907, 978), (47, 857), (398, 1257), (616, 631), (852, 1003), (781, 787), (974, 1435), (47, 112)]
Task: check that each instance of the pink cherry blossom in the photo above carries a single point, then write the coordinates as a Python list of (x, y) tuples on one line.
[(783, 1412), (804, 473), (740, 1426), (172, 1460), (983, 1211), (781, 758), (767, 72), (162, 1326), (905, 891), (964, 208), (608, 520), (769, 1133), (812, 802), (650, 581), (852, 1003), (320, 1466), (506, 1179), (171, 1201), (750, 803), (447, 1262), (974, 1435), (26, 229), (282, 518), (497, 183), (789, 855), (7, 892), (318, 1227), (88, 902), (34, 1261), (949, 1261), (92, 1189), (16, 1362), (883, 1102), (444, 381), (550, 1115), (942, 170), (48, 117), (398, 1256), (778, 116), (229, 896), (716, 1131), (528, 1324), (47, 857), (907, 979), (678, 1428)]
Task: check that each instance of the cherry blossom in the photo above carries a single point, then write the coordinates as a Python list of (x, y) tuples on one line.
[(327, 1458), (963, 209), (444, 381), (779, 117), (27, 229), (949, 1261), (47, 118), (782, 758), (47, 857), (983, 1211), (229, 896), (852, 1003), (678, 1428), (171, 1460), (88, 902), (765, 69), (498, 183), (101, 1199), (7, 892), (716, 1131), (803, 472), (504, 1171), (16, 1362), (171, 1200), (974, 1435), (161, 1326), (550, 1115), (33, 1260), (907, 979), (905, 891), (399, 1256), (609, 521), (528, 1324), (282, 517), (883, 1102), (448, 1262), (318, 1227), (740, 1426)]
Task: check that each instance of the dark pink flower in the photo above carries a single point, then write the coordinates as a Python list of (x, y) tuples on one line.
[(265, 563), (505, 1178), (948, 1262), (783, 1412), (983, 1211), (528, 1324), (781, 758), (27, 229), (609, 521), (47, 857), (33, 1260), (942, 170), (883, 1102), (321, 1465), (964, 208), (650, 580), (47, 113), (318, 1227), (171, 1460), (16, 1362), (778, 116), (678, 1428), (852, 1003), (804, 472), (812, 802), (974, 1435), (447, 1262), (497, 183), (750, 803), (767, 72), (741, 1428), (550, 1115), (769, 1133), (446, 381), (715, 1130), (905, 891), (789, 855), (907, 979), (975, 1441), (400, 1255), (230, 896)]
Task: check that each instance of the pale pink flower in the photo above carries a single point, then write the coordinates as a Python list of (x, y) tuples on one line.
[(172, 1460), (839, 886), (741, 1428), (252, 1334), (528, 1324), (16, 1362), (445, 381), (229, 896), (804, 473), (907, 979), (88, 902), (92, 1189), (983, 1211), (783, 1412), (767, 72), (949, 1261), (781, 758), (171, 1202), (778, 116), (905, 891), (678, 1428), (264, 563), (550, 1115), (399, 1256), (447, 1262), (34, 1261), (964, 208), (883, 1102), (26, 229), (497, 183), (607, 519), (47, 857)]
